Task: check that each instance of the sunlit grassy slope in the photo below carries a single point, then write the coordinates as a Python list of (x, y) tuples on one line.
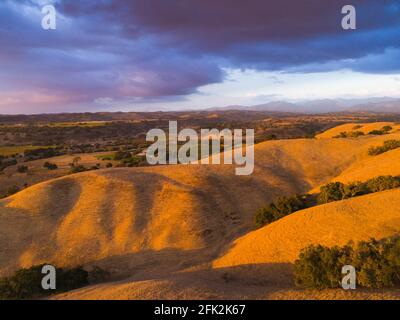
[(372, 216), (365, 128), (149, 223)]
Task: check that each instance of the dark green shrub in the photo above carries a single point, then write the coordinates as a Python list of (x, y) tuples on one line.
[(383, 183), (351, 134), (97, 275), (387, 146), (319, 267), (283, 206), (42, 153), (337, 191), (377, 132), (121, 155), (387, 129), (6, 289), (134, 161), (77, 169), (355, 189), (356, 134), (334, 191), (377, 264), (50, 166), (331, 192), (341, 135), (271, 137), (71, 279), (22, 169), (27, 283)]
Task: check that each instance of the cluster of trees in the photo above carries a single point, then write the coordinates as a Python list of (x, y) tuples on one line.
[(355, 134), (84, 136), (350, 134), (282, 207), (334, 191), (85, 148), (26, 283), (76, 167), (387, 146), (337, 191), (384, 130), (127, 159), (377, 264), (50, 166), (122, 155), (42, 153)]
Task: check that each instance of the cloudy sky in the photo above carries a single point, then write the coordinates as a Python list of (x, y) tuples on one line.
[(109, 55)]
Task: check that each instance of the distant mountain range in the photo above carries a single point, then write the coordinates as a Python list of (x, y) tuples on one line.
[(370, 105), (374, 105)]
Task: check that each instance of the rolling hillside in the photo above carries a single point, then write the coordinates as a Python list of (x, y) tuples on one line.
[(149, 223), (360, 127), (258, 265), (371, 216)]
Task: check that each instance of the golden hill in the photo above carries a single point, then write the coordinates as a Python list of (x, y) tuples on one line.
[(362, 127), (147, 223), (384, 164), (368, 167), (96, 215), (371, 216), (258, 265)]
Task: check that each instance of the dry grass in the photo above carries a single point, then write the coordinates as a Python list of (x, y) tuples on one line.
[(376, 215), (362, 127), (184, 231), (37, 173)]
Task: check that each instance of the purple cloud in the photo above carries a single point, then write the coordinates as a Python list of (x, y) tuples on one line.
[(149, 50)]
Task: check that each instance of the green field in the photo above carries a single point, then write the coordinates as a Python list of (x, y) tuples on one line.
[(78, 124), (87, 124), (7, 151)]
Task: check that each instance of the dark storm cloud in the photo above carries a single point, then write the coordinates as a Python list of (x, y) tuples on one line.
[(153, 49), (256, 30)]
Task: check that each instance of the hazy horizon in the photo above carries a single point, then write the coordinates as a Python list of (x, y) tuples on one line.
[(318, 106)]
